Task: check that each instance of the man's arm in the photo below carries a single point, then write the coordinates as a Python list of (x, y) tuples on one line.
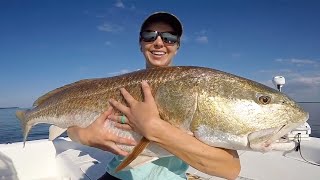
[(214, 161), (144, 118)]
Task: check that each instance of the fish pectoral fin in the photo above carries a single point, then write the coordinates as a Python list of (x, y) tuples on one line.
[(144, 142), (55, 131), (139, 161)]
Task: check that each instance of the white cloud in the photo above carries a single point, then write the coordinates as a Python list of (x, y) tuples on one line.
[(201, 36), (298, 62), (304, 88), (302, 78), (202, 39), (123, 71), (307, 81), (107, 27), (119, 4), (301, 86), (302, 61), (235, 55), (279, 71), (202, 32), (108, 43), (132, 7)]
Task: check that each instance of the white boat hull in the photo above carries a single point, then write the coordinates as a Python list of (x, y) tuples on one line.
[(64, 159)]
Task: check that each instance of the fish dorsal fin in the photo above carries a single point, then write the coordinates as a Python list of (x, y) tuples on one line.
[(144, 142), (43, 98)]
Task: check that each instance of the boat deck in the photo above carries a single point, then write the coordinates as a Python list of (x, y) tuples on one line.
[(63, 159)]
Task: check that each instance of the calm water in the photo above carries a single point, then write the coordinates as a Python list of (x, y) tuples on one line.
[(10, 128)]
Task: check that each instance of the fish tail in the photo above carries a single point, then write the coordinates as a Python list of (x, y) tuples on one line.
[(21, 115)]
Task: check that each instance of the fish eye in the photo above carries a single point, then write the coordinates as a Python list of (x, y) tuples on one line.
[(264, 99)]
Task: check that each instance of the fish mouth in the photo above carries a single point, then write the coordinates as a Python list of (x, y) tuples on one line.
[(273, 139)]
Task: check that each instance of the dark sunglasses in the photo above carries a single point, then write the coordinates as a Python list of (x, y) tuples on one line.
[(167, 37)]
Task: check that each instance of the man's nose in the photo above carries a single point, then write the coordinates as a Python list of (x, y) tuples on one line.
[(158, 41)]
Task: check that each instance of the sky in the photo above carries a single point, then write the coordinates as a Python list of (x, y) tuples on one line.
[(45, 44)]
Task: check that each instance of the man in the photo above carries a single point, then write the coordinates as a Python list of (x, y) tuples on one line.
[(159, 41)]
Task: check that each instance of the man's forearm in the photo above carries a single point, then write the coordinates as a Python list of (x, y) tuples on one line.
[(214, 161)]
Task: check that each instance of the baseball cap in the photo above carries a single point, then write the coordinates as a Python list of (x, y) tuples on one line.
[(171, 19)]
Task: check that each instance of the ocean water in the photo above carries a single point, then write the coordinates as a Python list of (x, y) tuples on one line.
[(11, 131)]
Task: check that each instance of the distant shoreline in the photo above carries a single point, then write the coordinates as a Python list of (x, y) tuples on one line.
[(309, 102), (9, 107)]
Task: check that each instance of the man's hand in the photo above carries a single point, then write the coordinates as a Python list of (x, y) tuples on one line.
[(96, 135), (143, 116)]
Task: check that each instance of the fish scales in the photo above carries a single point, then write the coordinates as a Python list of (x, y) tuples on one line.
[(94, 94)]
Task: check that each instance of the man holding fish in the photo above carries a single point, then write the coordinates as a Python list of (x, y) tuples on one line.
[(159, 42)]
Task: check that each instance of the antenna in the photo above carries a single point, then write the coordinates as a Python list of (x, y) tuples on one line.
[(279, 81)]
